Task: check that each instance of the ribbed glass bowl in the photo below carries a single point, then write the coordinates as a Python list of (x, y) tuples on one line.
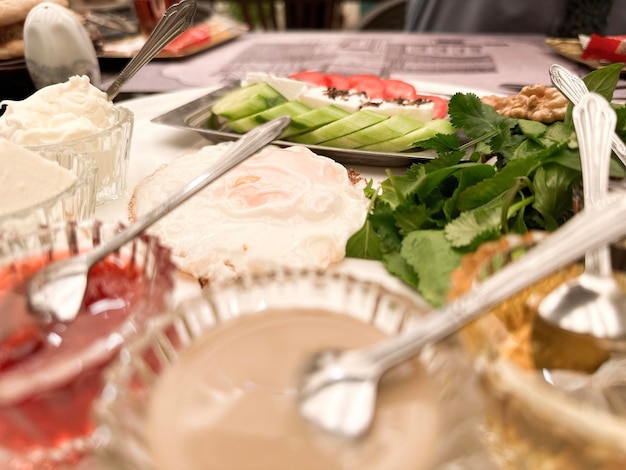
[(553, 400), (109, 149), (49, 375), (123, 408), (75, 203)]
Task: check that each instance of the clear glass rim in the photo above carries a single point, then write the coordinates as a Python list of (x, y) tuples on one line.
[(124, 117)]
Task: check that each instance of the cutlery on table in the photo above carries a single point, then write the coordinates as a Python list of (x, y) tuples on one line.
[(175, 21), (348, 380), (574, 88), (56, 292), (517, 87), (592, 303)]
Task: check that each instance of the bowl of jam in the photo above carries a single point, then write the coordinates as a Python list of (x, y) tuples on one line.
[(215, 383), (50, 375), (552, 399)]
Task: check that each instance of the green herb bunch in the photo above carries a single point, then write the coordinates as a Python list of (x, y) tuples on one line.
[(518, 177)]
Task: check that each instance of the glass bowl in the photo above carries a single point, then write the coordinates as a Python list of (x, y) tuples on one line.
[(75, 203), (151, 418), (109, 149), (552, 399), (50, 375)]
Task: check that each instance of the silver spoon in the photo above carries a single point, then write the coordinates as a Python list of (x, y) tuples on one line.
[(175, 21), (591, 303), (56, 292), (337, 390), (574, 89)]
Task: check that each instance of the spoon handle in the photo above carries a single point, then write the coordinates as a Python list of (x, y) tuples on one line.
[(602, 224), (247, 145), (175, 21), (574, 88), (595, 120)]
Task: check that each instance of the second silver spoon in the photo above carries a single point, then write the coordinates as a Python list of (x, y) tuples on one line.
[(175, 21), (338, 389)]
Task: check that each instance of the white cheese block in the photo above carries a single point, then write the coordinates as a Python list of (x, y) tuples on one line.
[(27, 179), (288, 87), (318, 97)]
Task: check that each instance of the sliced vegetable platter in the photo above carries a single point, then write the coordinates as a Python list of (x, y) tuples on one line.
[(348, 135)]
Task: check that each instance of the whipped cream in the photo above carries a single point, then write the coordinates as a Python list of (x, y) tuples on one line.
[(56, 113), (27, 179)]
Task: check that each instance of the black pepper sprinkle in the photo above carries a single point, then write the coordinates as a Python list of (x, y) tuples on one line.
[(336, 94)]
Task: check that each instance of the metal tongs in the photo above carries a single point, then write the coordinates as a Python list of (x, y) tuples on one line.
[(574, 89)]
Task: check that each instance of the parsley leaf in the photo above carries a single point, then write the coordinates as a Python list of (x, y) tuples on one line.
[(422, 222)]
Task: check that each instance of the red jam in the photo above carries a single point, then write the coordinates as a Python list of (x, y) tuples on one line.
[(49, 378)]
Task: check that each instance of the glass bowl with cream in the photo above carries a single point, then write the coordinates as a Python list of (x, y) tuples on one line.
[(213, 385), (42, 191), (50, 374), (74, 116), (552, 399)]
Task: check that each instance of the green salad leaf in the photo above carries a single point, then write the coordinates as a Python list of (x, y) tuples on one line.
[(519, 177)]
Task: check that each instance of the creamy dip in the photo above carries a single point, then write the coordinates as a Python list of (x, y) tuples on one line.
[(57, 113), (229, 401)]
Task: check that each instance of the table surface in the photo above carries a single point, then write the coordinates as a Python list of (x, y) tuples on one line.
[(468, 62), (476, 61)]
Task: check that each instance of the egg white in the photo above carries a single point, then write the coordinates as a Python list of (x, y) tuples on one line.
[(279, 208)]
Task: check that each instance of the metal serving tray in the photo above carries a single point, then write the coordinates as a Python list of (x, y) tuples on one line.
[(196, 116)]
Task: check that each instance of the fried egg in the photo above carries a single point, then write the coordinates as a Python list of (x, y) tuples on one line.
[(279, 208)]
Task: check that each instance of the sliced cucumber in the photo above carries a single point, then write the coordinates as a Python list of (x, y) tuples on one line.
[(313, 119), (290, 108), (412, 139), (346, 125), (247, 100), (388, 129)]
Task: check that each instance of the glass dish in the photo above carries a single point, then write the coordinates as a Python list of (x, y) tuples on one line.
[(76, 203), (123, 409), (109, 149), (553, 400), (50, 374)]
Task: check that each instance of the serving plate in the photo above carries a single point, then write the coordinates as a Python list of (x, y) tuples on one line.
[(570, 48), (196, 115), (218, 29)]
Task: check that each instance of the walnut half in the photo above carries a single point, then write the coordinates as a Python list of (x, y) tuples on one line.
[(534, 102)]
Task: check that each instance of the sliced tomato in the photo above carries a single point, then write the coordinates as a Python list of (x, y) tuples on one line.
[(337, 81), (196, 36), (440, 109), (398, 89), (371, 85), (312, 76), (354, 79)]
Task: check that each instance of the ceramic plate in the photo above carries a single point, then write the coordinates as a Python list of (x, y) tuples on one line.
[(571, 49), (221, 29)]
